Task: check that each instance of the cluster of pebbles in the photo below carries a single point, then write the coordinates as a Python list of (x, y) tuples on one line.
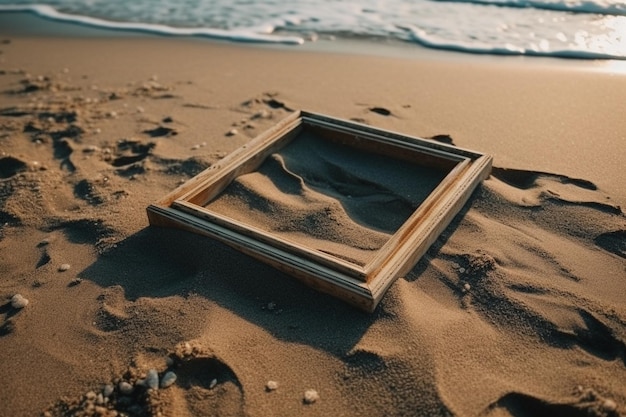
[(134, 395), (144, 393)]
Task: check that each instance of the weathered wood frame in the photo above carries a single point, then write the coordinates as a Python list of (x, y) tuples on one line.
[(362, 286)]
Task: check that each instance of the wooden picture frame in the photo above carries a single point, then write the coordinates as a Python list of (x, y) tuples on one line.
[(360, 284)]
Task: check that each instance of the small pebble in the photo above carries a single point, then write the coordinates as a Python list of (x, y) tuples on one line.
[(75, 282), (107, 390), (609, 406), (64, 267), (168, 379), (213, 383), (310, 396), (466, 287), (100, 411), (461, 270), (19, 301), (271, 386), (232, 132), (99, 399), (125, 388), (261, 114), (152, 379)]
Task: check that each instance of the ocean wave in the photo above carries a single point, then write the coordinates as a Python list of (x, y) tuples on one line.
[(50, 12), (423, 38), (575, 6), (457, 25)]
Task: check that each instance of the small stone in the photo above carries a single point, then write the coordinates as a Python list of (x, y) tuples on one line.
[(75, 282), (152, 379), (107, 390), (261, 114), (169, 361), (90, 395), (168, 379), (112, 114), (64, 267), (100, 399), (466, 287), (195, 147), (461, 270), (311, 396), (271, 386), (609, 406), (125, 388), (91, 148), (213, 383), (19, 301), (232, 132)]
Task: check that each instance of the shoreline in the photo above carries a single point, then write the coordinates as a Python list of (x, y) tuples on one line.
[(27, 24)]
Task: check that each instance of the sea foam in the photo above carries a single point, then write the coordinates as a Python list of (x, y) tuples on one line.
[(588, 29)]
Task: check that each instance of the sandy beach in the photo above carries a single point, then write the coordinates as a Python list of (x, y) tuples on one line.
[(518, 309)]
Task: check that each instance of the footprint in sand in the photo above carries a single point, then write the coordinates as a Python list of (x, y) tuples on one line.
[(128, 152), (205, 385), (518, 404), (10, 166), (561, 189), (199, 385)]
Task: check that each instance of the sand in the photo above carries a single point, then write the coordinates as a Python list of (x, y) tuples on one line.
[(518, 308)]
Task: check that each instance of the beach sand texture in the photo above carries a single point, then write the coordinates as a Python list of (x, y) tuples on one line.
[(517, 309)]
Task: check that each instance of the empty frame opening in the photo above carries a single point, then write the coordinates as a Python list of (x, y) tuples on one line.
[(327, 191)]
